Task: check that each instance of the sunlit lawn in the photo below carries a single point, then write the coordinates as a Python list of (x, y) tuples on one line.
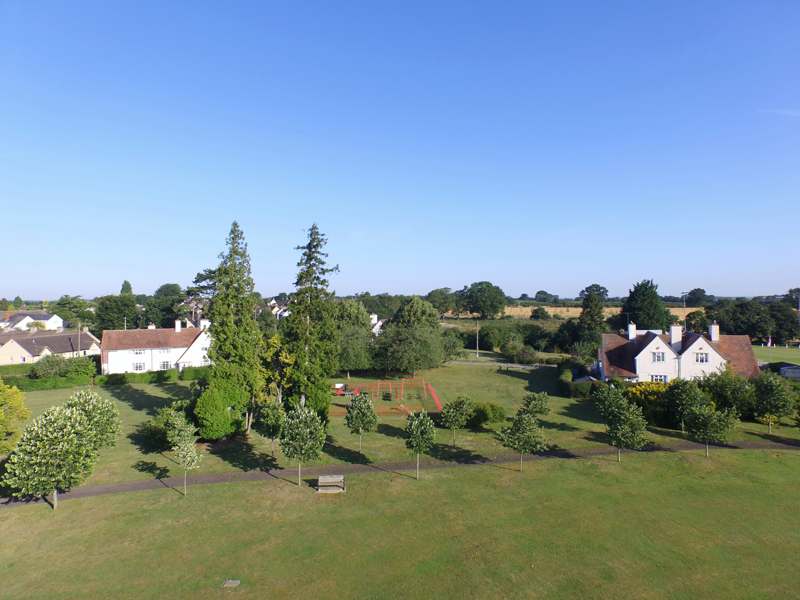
[(571, 424), (777, 354), (662, 525)]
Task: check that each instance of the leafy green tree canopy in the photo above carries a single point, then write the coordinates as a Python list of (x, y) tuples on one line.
[(644, 307)]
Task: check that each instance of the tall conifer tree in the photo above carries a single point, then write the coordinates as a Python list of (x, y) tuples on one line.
[(236, 345)]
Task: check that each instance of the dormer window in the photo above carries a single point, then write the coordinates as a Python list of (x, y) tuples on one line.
[(658, 357)]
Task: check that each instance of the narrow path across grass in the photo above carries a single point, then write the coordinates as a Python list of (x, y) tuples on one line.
[(403, 468)]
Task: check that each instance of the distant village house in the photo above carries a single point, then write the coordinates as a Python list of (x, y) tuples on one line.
[(17, 347)]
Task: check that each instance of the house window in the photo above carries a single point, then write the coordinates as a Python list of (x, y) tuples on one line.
[(138, 352), (138, 367), (22, 358), (165, 365), (658, 378), (701, 357), (658, 357)]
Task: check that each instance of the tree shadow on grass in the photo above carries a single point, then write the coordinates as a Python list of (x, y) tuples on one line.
[(557, 426), (448, 453), (240, 453), (137, 399), (777, 439), (597, 436), (582, 410), (148, 439), (159, 473), (390, 430), (344, 454), (673, 433)]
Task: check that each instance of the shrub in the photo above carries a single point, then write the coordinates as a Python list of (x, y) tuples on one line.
[(650, 397), (540, 313), (26, 384), (194, 373), (565, 380), (729, 390), (168, 376), (213, 410), (486, 412)]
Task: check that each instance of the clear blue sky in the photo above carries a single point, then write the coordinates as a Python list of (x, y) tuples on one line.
[(540, 147)]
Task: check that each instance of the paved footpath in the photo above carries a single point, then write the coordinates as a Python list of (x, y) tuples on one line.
[(404, 468)]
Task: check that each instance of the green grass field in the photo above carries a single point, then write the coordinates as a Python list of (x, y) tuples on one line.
[(777, 354), (659, 525), (656, 526)]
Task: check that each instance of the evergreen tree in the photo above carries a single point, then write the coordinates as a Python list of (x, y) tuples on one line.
[(278, 367), (420, 434), (644, 307), (302, 437), (360, 417), (455, 414), (126, 289), (523, 435), (309, 331), (13, 413), (213, 408), (116, 312), (236, 343), (591, 322)]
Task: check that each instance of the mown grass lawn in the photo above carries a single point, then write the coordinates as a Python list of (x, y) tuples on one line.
[(777, 354), (663, 525), (571, 424)]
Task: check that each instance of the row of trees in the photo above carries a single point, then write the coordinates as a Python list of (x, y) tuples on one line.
[(59, 448)]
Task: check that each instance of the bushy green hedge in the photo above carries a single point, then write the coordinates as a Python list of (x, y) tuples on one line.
[(487, 412), (26, 384), (194, 373), (15, 370), (169, 376)]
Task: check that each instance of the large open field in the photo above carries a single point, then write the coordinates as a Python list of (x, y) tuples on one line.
[(661, 524), (777, 354)]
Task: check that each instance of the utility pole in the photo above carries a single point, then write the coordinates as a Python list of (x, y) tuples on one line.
[(79, 337)]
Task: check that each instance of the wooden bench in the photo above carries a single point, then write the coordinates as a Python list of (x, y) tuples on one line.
[(331, 484)]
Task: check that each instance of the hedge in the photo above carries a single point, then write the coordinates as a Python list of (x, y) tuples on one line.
[(26, 384), (15, 370)]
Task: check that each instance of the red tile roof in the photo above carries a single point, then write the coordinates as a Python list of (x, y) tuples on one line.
[(134, 339)]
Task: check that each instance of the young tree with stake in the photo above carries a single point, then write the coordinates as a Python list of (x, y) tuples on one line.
[(707, 425), (626, 427), (360, 417), (523, 435), (184, 440), (302, 437), (774, 399), (536, 404), (420, 434), (455, 414)]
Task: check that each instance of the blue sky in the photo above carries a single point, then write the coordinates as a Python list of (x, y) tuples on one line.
[(539, 146)]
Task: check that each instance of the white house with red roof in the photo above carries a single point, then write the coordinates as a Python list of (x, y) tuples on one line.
[(152, 349), (651, 355)]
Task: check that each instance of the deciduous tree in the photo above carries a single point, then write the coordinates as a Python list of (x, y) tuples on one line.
[(270, 421), (13, 413), (523, 435), (184, 446), (773, 399), (707, 425), (456, 413), (420, 434), (360, 417), (302, 437)]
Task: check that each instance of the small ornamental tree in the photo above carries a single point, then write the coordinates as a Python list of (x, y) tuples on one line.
[(680, 397), (360, 417), (55, 453), (13, 414), (183, 440), (302, 437), (773, 399), (626, 426), (523, 435), (101, 414), (420, 434), (270, 420), (455, 414), (213, 409), (707, 425), (536, 404)]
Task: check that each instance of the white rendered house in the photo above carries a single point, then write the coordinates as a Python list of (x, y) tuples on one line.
[(152, 349), (22, 321), (651, 355)]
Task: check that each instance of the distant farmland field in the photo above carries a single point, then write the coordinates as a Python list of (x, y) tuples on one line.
[(524, 312)]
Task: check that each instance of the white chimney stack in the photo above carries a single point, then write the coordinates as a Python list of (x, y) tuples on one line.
[(177, 325), (713, 332), (151, 326), (205, 324), (631, 331), (675, 336)]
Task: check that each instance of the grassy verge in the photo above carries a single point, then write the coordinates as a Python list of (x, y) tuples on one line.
[(777, 354)]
